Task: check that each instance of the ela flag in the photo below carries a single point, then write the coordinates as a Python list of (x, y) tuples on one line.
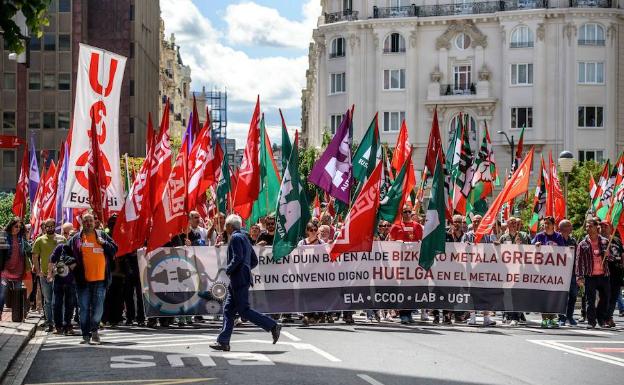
[(434, 233), (248, 185), (483, 173), (286, 144), (332, 172), (368, 152), (359, 226), (224, 186), (293, 212)]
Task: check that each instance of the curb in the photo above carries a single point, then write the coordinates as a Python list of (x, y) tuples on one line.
[(30, 327)]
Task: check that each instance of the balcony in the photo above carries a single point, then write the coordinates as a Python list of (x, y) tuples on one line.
[(334, 55), (592, 42), (590, 3), (391, 12), (346, 15), (457, 89), (521, 44)]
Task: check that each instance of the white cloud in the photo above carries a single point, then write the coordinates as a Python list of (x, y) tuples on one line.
[(238, 131), (253, 24), (278, 79)]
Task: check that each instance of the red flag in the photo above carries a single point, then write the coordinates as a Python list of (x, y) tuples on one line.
[(434, 148), (48, 198), (517, 185), (21, 190), (316, 207), (402, 149), (11, 141), (49, 206), (195, 128), (132, 225), (169, 216), (97, 177), (248, 184), (42, 197), (161, 164), (357, 232), (556, 201)]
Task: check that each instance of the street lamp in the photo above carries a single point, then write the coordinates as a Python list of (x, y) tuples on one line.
[(566, 164), (511, 144)]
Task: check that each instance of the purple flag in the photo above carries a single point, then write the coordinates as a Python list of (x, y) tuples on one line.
[(188, 135), (33, 173), (333, 171), (65, 215)]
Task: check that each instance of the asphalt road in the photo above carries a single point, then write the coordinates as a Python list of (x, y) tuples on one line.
[(384, 353)]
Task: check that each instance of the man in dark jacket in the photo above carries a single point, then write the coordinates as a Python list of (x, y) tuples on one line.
[(241, 259), (93, 251)]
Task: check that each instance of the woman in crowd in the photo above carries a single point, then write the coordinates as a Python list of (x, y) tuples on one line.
[(15, 261)]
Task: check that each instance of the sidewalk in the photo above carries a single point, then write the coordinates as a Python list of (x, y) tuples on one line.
[(14, 337)]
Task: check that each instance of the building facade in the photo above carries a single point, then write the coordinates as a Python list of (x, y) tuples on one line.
[(126, 27), (555, 67), (175, 84)]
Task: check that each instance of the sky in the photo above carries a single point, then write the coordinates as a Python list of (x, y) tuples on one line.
[(249, 48)]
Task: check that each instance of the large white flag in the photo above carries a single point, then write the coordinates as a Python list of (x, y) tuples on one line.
[(98, 89)]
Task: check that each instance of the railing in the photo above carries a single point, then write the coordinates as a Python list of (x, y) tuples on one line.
[(592, 42), (457, 89), (396, 50), (333, 55), (521, 44), (590, 3), (390, 12), (347, 15)]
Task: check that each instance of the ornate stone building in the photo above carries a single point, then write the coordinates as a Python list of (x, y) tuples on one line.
[(175, 84), (554, 66)]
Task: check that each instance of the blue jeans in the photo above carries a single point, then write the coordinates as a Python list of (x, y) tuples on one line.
[(46, 292), (237, 301), (91, 299), (620, 303), (64, 299)]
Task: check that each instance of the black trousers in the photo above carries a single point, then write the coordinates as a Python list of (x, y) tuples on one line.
[(113, 304), (132, 293), (601, 285), (615, 281)]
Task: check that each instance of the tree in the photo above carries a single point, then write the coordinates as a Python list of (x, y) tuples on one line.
[(578, 196), (6, 207), (35, 12)]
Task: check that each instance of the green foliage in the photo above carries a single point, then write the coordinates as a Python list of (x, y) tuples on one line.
[(6, 206), (176, 144), (307, 157), (326, 139), (578, 193), (35, 12), (134, 164)]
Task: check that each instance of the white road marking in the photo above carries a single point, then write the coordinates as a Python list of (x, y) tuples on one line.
[(291, 337), (559, 345), (592, 332), (369, 379)]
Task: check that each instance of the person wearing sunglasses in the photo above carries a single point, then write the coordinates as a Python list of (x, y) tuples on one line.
[(266, 239), (311, 236), (383, 231)]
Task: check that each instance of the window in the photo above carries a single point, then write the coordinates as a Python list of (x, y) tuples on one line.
[(394, 43), (337, 47), (131, 12), (472, 128), (64, 43), (590, 73), (334, 123), (462, 41), (347, 5), (49, 81), (131, 87), (64, 5), (522, 74), (393, 120), (521, 117), (64, 82), (63, 120), (34, 81), (49, 42), (34, 120), (590, 117), (8, 121), (8, 158), (131, 54), (591, 34), (131, 126), (394, 79), (49, 120), (521, 37), (34, 44), (587, 155), (337, 85), (8, 82), (462, 79)]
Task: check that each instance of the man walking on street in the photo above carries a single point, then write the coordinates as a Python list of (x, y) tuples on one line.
[(93, 251), (241, 260), (565, 228), (616, 268)]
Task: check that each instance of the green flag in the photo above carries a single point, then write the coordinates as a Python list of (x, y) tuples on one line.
[(286, 145), (389, 207), (223, 186), (367, 152), (293, 211), (269, 179), (434, 234)]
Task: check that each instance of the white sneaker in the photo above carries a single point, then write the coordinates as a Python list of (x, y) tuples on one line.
[(424, 316), (513, 323), (473, 319), (488, 322)]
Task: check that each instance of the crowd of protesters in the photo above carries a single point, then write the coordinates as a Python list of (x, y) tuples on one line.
[(83, 282)]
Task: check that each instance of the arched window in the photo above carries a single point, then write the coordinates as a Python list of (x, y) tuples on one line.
[(468, 121), (521, 37), (394, 43), (591, 34), (337, 47)]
